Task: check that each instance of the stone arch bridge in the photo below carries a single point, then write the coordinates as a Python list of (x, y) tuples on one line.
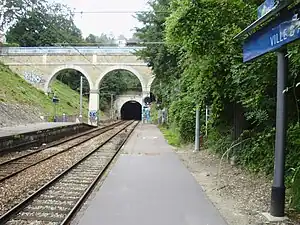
[(40, 66)]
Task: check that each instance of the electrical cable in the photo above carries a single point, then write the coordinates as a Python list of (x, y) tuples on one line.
[(64, 38), (118, 12)]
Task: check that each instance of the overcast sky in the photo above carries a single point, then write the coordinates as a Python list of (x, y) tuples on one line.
[(120, 23)]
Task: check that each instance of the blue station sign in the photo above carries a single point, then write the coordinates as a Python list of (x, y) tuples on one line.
[(281, 31)]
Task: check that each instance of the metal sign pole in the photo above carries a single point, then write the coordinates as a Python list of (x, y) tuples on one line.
[(279, 32), (197, 131), (278, 188)]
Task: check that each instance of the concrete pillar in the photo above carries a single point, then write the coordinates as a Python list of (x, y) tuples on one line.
[(94, 115), (94, 59), (44, 59)]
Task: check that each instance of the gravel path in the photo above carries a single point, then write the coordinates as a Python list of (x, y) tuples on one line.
[(241, 197), (25, 183)]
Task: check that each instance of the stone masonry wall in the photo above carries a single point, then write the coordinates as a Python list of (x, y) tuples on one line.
[(16, 114)]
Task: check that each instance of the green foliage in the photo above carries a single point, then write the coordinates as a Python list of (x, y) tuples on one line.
[(14, 89), (201, 63), (102, 40), (45, 26), (9, 45), (258, 153), (14, 9), (154, 113), (171, 136), (72, 79), (182, 113), (116, 83), (164, 63), (69, 100)]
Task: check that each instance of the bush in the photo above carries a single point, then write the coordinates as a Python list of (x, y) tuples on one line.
[(182, 114)]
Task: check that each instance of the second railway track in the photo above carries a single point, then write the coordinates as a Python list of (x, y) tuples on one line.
[(16, 165), (57, 201)]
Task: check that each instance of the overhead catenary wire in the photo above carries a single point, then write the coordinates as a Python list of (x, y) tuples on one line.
[(66, 41), (99, 44), (118, 12), (41, 48)]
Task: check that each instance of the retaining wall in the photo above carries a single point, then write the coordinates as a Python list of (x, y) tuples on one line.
[(37, 138)]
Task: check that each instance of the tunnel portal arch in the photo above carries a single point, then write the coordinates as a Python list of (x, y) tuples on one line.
[(131, 110)]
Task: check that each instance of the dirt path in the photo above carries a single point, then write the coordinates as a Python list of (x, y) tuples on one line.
[(240, 196)]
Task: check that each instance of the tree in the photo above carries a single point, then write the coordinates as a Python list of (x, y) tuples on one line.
[(45, 26), (91, 38), (163, 62), (72, 79), (11, 10), (116, 83), (103, 39)]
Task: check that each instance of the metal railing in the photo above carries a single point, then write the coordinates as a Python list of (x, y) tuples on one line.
[(68, 50)]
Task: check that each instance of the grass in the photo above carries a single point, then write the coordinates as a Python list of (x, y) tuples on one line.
[(171, 136), (68, 100), (14, 89)]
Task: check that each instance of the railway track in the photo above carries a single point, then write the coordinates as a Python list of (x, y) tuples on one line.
[(16, 165), (58, 200)]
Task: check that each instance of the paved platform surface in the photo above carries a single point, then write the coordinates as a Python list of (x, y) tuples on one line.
[(149, 185), (7, 131)]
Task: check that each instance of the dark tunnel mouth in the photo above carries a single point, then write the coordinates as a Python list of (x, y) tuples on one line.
[(131, 110)]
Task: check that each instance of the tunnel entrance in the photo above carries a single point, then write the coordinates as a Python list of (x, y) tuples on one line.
[(131, 110)]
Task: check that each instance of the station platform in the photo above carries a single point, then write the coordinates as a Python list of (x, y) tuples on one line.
[(21, 129), (148, 185)]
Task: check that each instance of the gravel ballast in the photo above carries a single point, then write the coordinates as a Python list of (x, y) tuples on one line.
[(241, 197), (16, 188)]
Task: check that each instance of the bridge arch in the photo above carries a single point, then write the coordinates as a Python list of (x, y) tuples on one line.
[(121, 67), (65, 67)]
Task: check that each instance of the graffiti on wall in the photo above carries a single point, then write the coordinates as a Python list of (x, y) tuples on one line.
[(93, 116), (33, 78)]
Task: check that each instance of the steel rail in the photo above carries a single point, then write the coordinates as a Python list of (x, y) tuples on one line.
[(102, 131), (58, 142), (94, 183), (16, 209)]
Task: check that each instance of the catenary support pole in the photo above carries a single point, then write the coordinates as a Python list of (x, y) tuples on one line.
[(80, 113), (111, 105), (55, 117), (197, 130), (278, 188), (206, 120)]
